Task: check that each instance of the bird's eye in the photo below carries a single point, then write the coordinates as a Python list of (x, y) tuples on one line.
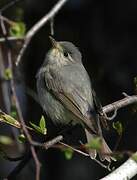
[(65, 53)]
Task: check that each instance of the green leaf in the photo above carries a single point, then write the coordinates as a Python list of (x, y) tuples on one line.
[(42, 125), (22, 138), (8, 74), (37, 128), (118, 127), (68, 152), (134, 157), (17, 29), (5, 140), (95, 143), (9, 120)]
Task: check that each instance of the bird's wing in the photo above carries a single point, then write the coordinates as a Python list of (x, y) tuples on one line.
[(99, 110), (70, 100), (97, 103)]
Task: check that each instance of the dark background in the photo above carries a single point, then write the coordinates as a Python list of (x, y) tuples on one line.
[(106, 34)]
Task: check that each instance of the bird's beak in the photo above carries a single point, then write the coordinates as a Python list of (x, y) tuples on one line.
[(54, 43)]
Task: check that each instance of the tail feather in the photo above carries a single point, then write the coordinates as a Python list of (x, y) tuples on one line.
[(104, 152), (92, 152)]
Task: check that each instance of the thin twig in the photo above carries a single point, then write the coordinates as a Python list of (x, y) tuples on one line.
[(110, 117), (83, 153), (11, 39), (38, 25), (2, 25), (74, 149), (7, 20), (48, 144), (52, 26), (37, 162), (7, 6)]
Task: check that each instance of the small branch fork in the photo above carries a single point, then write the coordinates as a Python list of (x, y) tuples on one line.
[(38, 25)]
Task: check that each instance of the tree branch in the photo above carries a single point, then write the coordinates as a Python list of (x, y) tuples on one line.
[(125, 171), (38, 25), (49, 143), (120, 104), (131, 164), (129, 168)]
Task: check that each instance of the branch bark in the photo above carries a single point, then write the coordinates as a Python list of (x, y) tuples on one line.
[(120, 104), (126, 171)]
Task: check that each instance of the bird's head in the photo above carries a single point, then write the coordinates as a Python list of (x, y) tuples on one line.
[(63, 53)]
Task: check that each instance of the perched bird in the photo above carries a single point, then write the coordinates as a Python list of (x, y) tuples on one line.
[(66, 95)]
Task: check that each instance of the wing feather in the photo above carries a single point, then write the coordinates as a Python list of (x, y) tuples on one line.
[(69, 99)]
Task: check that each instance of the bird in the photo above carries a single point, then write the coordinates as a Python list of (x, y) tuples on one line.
[(66, 94)]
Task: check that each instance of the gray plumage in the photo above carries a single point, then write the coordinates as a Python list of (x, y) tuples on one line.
[(65, 91)]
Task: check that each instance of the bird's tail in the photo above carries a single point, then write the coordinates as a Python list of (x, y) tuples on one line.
[(104, 153)]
